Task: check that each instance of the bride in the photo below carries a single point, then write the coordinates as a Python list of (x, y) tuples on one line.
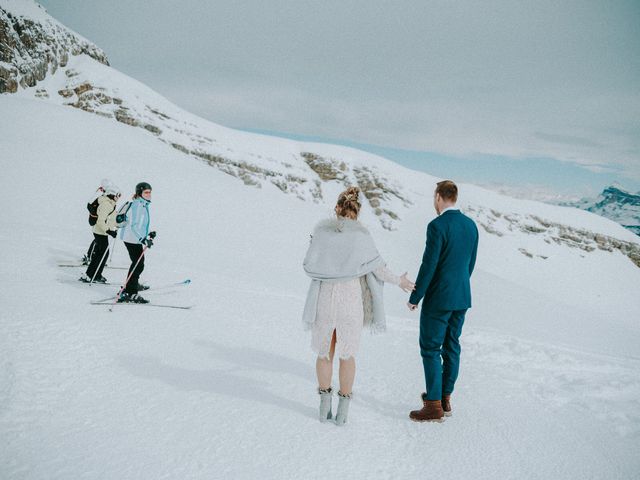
[(347, 275)]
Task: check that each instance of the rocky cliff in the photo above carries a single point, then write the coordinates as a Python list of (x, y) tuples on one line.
[(31, 48)]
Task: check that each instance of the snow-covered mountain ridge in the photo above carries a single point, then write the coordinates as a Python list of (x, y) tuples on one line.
[(614, 203), (313, 172), (499, 224), (254, 160), (36, 45)]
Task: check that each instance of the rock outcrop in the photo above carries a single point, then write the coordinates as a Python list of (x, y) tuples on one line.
[(379, 191), (29, 50), (496, 223)]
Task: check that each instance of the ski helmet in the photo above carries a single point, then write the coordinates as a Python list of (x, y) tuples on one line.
[(112, 189), (141, 187)]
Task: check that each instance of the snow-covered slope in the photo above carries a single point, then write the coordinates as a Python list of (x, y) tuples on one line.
[(549, 384)]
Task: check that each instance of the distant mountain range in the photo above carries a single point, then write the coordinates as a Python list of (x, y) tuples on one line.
[(616, 204)]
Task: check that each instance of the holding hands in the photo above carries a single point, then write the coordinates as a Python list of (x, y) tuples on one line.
[(406, 284)]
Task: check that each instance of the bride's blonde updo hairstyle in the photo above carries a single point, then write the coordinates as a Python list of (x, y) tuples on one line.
[(348, 204)]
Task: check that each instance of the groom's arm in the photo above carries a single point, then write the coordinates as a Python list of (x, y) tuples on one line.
[(474, 254), (429, 263)]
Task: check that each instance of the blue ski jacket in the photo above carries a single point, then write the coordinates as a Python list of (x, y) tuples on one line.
[(138, 220)]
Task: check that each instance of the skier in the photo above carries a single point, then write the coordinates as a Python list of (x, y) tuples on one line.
[(136, 236), (92, 206), (105, 225)]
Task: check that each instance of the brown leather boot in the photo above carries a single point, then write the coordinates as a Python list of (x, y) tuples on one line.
[(430, 412), (446, 405)]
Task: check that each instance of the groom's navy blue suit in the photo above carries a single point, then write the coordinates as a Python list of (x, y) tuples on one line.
[(443, 284)]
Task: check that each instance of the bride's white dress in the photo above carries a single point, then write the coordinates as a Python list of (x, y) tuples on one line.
[(340, 308)]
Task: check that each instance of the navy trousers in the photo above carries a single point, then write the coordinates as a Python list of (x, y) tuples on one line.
[(440, 350)]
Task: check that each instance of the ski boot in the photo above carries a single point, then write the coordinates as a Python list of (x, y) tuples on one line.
[(131, 298)]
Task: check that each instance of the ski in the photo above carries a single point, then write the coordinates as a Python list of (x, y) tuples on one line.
[(106, 284), (78, 265), (150, 304), (154, 289)]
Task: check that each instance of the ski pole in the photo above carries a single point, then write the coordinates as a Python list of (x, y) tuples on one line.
[(113, 247), (128, 278), (101, 260)]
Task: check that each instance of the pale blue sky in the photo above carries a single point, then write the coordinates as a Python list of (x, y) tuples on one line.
[(533, 178), (500, 91)]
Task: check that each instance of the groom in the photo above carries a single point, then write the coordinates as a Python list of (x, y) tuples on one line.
[(443, 282)]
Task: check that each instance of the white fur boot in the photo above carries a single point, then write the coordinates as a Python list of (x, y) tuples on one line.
[(343, 408), (325, 404)]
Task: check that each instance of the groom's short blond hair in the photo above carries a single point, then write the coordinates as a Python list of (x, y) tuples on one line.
[(447, 190)]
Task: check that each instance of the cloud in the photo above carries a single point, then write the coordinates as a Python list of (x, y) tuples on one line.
[(451, 127), (540, 193), (567, 139), (518, 79), (602, 168)]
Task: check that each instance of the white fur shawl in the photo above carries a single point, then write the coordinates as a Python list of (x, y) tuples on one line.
[(340, 250)]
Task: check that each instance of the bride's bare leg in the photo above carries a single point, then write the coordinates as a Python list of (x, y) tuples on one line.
[(324, 366), (347, 375)]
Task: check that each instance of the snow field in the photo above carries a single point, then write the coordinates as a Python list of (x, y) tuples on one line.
[(548, 384)]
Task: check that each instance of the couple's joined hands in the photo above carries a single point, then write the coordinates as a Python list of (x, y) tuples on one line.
[(408, 286)]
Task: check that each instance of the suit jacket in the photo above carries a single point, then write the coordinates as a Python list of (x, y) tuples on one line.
[(447, 264)]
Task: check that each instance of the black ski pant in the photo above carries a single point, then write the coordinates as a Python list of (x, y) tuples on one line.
[(135, 252), (99, 256), (90, 251)]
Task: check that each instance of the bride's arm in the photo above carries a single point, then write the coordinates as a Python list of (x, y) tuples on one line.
[(387, 276)]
